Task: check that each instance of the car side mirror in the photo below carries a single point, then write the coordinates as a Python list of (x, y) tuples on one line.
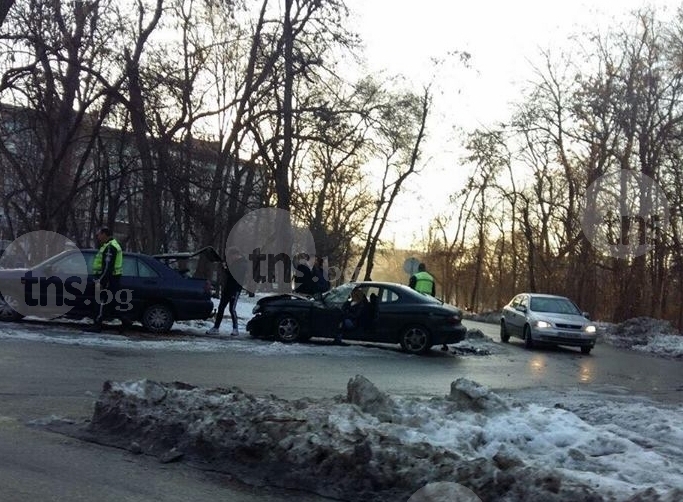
[(586, 315), (521, 308)]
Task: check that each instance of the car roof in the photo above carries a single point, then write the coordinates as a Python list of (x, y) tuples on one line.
[(125, 253), (543, 295), (378, 283), (208, 252)]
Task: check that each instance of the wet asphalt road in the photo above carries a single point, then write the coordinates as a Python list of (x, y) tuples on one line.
[(40, 380)]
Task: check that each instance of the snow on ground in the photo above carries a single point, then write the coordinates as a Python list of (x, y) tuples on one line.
[(617, 447), (368, 445), (640, 334)]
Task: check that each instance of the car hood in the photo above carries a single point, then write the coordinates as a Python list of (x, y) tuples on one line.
[(555, 318), (281, 297), (11, 273)]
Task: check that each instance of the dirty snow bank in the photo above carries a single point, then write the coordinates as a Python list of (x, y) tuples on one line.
[(368, 445)]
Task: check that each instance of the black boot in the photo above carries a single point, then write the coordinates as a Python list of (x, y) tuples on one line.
[(125, 325), (95, 328)]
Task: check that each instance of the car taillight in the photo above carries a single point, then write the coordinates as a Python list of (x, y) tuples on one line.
[(454, 319)]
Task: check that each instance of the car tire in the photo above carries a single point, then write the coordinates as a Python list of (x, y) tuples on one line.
[(287, 329), (158, 318), (8, 312), (504, 335), (586, 349), (416, 340), (528, 342)]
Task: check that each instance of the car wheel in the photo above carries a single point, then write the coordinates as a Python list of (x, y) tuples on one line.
[(416, 340), (158, 318), (528, 342), (504, 335), (586, 350), (8, 312), (288, 329)]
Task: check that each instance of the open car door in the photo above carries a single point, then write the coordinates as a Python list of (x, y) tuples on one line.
[(189, 263)]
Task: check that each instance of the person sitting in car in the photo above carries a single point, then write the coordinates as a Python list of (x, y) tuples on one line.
[(355, 314)]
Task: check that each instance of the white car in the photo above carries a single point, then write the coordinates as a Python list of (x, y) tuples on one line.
[(552, 319)]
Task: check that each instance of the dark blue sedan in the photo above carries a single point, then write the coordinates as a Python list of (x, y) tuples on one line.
[(399, 315), (151, 292)]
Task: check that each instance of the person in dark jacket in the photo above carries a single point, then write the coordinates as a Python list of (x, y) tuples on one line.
[(303, 277), (320, 278), (234, 271), (355, 314)]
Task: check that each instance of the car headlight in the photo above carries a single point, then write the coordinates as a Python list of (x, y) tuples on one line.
[(542, 324), (589, 329)]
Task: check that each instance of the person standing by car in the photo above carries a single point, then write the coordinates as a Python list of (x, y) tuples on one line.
[(423, 282), (107, 267), (322, 283), (303, 276), (234, 270)]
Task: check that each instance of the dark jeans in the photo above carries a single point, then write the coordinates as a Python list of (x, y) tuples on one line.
[(227, 299), (105, 301)]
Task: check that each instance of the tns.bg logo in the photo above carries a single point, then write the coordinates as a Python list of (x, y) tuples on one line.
[(625, 212), (31, 283)]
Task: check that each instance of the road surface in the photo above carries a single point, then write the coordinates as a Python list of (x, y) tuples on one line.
[(40, 380)]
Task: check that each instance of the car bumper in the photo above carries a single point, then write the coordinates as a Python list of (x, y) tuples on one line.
[(190, 311), (449, 334), (258, 325), (574, 339)]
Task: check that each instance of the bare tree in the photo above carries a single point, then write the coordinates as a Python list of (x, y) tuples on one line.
[(400, 132), (51, 55)]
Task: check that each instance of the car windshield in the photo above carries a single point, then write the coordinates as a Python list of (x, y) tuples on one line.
[(338, 295), (554, 305)]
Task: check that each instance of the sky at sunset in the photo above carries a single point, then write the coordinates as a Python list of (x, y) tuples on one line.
[(503, 38)]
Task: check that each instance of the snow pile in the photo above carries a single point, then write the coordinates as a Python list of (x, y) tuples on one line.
[(491, 317), (645, 334), (368, 445)]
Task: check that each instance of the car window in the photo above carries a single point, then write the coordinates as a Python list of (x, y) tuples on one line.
[(145, 270), (554, 305), (134, 267), (72, 264), (388, 296), (372, 290), (524, 301), (130, 266)]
